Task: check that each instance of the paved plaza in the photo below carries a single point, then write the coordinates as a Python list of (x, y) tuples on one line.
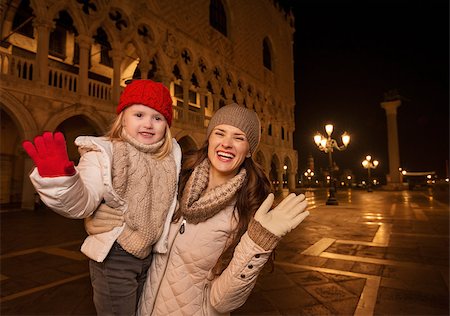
[(379, 253)]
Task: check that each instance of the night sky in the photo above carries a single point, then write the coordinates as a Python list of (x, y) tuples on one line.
[(348, 55)]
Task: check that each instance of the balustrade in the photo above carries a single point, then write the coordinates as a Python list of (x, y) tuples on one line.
[(23, 68), (15, 66), (183, 116)]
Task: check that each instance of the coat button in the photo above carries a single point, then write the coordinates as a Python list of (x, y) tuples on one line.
[(242, 276), (250, 266), (257, 255)]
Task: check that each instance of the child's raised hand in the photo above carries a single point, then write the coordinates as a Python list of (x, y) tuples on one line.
[(49, 154)]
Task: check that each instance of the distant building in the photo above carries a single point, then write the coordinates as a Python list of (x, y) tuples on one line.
[(63, 65)]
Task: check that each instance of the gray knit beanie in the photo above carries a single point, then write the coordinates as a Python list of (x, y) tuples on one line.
[(238, 116)]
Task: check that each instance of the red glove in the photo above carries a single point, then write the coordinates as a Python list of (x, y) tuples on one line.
[(49, 154)]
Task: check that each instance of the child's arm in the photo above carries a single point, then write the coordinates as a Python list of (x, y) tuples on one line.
[(67, 192)]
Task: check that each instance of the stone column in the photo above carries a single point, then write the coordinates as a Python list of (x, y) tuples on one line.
[(84, 43), (144, 67), (280, 180), (393, 148), (186, 86), (117, 62), (43, 28), (203, 92), (28, 191), (291, 181), (165, 79)]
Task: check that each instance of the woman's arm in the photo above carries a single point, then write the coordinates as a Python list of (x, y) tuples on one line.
[(231, 289)]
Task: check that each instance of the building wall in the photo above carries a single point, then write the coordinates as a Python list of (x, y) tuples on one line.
[(168, 41)]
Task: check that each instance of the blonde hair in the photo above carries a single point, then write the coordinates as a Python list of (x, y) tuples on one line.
[(115, 133)]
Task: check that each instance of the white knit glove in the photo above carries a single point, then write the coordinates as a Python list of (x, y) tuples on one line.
[(103, 220), (283, 218)]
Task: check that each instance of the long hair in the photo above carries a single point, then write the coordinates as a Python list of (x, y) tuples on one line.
[(115, 133), (248, 198)]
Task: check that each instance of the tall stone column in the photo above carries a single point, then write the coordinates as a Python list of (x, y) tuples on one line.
[(28, 191), (203, 92), (186, 86), (291, 181), (84, 42), (393, 149), (144, 67), (117, 62), (280, 180), (43, 28), (165, 79)]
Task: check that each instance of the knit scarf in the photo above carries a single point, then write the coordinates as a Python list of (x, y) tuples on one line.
[(196, 205), (148, 186)]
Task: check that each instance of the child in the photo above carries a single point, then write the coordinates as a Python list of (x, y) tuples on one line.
[(134, 168)]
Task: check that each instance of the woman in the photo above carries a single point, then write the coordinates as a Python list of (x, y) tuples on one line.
[(223, 232)]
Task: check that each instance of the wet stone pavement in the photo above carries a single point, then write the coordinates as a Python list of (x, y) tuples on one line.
[(379, 253)]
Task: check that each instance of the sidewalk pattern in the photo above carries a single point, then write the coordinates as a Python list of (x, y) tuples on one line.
[(380, 253)]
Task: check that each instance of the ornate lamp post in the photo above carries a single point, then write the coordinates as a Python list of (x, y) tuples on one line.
[(327, 145), (369, 164), (309, 174)]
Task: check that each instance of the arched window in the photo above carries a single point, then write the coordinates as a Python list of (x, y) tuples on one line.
[(101, 38), (22, 22), (217, 16), (269, 130), (58, 37), (282, 133), (267, 55)]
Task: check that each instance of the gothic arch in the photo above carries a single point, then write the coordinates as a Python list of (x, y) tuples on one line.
[(262, 161), (39, 9), (288, 163), (184, 135), (87, 112), (275, 168), (113, 37), (19, 114), (187, 144), (73, 12)]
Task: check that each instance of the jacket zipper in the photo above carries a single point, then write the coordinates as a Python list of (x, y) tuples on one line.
[(183, 226), (167, 263), (205, 300)]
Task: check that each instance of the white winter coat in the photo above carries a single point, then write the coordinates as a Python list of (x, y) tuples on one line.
[(78, 196)]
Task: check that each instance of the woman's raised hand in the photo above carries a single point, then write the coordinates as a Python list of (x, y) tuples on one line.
[(285, 217), (103, 220), (49, 154)]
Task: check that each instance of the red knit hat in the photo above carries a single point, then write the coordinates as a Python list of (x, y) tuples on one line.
[(150, 93)]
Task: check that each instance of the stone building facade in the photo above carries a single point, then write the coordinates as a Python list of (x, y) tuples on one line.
[(64, 63)]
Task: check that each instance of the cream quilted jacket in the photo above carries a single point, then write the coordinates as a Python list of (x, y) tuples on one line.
[(180, 282)]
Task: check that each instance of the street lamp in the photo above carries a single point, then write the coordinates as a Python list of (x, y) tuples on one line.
[(327, 145), (369, 164), (309, 174)]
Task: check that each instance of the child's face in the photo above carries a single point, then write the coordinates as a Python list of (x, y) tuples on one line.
[(144, 124)]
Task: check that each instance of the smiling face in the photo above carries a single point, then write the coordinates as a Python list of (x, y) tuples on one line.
[(228, 147), (144, 124)]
